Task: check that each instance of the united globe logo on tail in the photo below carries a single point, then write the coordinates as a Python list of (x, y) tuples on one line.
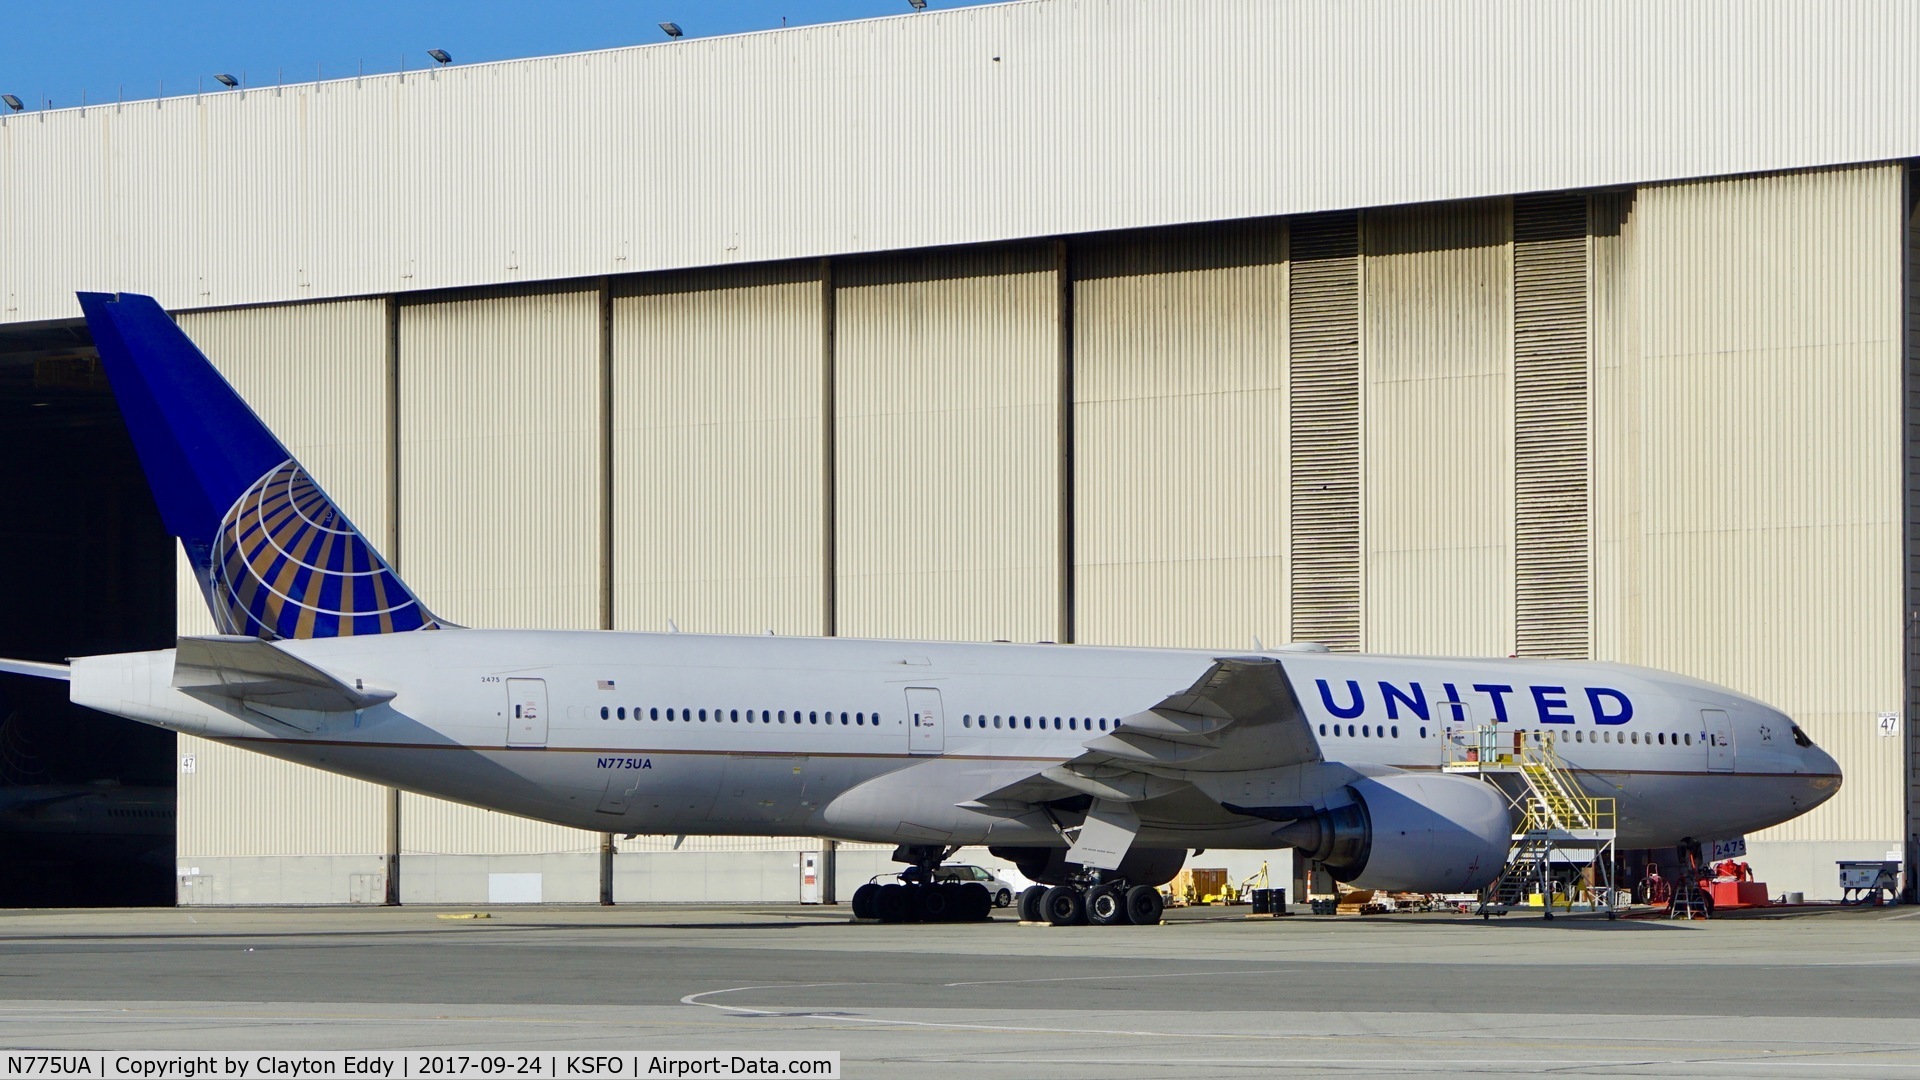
[(288, 564)]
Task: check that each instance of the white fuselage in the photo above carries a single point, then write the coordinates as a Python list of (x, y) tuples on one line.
[(703, 734)]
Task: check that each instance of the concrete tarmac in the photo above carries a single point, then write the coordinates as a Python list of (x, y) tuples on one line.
[(1210, 993)]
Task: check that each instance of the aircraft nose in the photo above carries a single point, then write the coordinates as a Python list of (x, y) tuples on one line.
[(1823, 772)]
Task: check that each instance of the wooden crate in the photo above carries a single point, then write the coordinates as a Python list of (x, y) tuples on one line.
[(1195, 884)]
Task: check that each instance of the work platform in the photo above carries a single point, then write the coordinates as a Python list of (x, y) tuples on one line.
[(1556, 821)]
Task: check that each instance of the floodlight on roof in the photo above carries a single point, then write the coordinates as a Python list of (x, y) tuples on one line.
[(225, 79), (917, 5), (672, 29), (440, 56), (12, 102)]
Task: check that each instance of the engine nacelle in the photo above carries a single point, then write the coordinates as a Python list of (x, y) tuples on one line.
[(1049, 865), (1410, 833)]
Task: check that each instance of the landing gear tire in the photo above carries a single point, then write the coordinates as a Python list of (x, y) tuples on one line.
[(1030, 903), (863, 898), (1144, 905), (1003, 899), (892, 904), (1063, 906), (936, 903), (1107, 906), (975, 904)]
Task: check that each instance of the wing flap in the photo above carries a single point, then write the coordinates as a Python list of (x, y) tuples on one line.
[(265, 676), (1241, 715)]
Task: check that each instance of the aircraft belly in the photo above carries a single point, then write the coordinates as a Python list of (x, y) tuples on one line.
[(1661, 809)]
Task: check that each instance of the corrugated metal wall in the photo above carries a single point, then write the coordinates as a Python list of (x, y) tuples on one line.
[(501, 497), (1438, 410), (307, 370), (819, 141), (1911, 364), (500, 459), (947, 442), (1324, 328), (1767, 553), (1613, 226), (1552, 533), (719, 452), (1180, 439), (430, 826)]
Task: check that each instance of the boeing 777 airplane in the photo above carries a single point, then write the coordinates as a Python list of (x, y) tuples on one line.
[(1094, 769)]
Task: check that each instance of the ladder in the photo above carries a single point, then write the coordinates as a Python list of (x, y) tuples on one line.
[(1556, 820)]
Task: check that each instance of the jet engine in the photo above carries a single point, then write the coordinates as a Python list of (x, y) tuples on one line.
[(1049, 865), (1409, 833)]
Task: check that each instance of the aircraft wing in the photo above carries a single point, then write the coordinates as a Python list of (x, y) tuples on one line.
[(264, 676), (1240, 715)]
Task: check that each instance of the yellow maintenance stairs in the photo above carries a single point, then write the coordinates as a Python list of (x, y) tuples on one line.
[(1556, 822)]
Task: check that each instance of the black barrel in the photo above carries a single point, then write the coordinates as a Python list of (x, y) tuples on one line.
[(1262, 901)]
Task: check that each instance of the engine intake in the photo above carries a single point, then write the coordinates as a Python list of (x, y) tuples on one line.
[(1409, 833)]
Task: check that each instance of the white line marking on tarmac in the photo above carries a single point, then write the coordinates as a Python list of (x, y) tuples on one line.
[(1116, 978), (1524, 1052)]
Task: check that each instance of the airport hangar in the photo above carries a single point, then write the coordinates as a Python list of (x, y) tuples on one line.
[(1486, 328)]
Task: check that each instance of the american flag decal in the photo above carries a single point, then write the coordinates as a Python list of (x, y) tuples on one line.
[(605, 684)]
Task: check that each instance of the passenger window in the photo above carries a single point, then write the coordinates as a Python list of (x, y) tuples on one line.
[(622, 713), (1423, 733), (996, 721), (1323, 729), (843, 719), (1689, 739), (1396, 731), (603, 712), (1366, 731), (782, 718)]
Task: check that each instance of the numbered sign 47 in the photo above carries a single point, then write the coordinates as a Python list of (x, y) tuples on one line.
[(1889, 725)]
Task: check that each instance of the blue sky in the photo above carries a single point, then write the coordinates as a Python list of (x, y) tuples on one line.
[(102, 48)]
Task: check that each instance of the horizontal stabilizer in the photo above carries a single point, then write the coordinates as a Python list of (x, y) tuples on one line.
[(262, 674), (36, 669)]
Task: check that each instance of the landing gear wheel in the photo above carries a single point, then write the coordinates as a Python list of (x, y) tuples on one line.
[(1030, 903), (1063, 906), (863, 898), (975, 902), (1144, 905), (890, 905), (936, 903), (1107, 906), (1003, 899)]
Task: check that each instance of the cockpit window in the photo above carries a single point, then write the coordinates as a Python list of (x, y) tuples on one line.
[(1800, 737)]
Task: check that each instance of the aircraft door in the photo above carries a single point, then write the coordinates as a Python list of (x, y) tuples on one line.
[(1719, 740), (527, 712), (927, 732)]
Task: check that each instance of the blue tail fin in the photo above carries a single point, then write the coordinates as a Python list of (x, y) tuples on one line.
[(274, 555)]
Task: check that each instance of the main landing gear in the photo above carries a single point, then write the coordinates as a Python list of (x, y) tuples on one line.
[(918, 898), (1103, 903)]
